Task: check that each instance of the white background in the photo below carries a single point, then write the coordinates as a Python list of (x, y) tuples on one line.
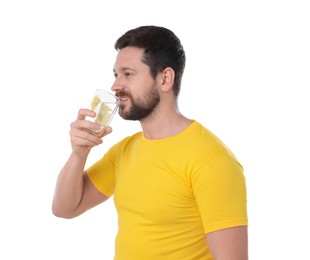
[(247, 75)]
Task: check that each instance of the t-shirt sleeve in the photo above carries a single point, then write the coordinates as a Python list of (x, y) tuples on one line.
[(102, 173), (220, 191)]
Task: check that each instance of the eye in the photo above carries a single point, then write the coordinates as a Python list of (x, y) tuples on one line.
[(115, 75), (127, 74)]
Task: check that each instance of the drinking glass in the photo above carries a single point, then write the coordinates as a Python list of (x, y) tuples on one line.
[(105, 105)]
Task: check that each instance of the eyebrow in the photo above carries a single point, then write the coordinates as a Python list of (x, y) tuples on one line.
[(124, 68)]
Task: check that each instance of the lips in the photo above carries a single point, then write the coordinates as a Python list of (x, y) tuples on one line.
[(123, 96)]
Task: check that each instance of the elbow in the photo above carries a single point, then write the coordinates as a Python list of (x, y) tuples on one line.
[(62, 213)]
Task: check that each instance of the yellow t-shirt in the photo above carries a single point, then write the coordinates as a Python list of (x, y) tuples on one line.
[(170, 192)]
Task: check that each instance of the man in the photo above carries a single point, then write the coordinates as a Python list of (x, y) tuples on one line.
[(179, 191)]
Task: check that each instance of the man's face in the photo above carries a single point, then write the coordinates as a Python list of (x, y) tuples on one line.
[(134, 85)]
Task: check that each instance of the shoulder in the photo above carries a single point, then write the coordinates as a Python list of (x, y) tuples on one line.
[(206, 142)]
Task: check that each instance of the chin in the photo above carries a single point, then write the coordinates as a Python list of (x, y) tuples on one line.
[(122, 113)]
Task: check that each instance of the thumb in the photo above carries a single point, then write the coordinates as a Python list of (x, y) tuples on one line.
[(107, 130)]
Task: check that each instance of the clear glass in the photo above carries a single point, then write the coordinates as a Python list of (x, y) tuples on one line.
[(105, 104)]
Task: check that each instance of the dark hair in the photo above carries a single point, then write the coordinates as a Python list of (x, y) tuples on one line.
[(162, 49)]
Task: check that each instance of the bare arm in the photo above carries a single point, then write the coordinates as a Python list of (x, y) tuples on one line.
[(74, 192), (229, 244)]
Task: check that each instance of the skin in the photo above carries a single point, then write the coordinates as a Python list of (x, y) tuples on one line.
[(74, 192)]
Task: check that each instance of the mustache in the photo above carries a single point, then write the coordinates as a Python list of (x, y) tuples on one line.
[(122, 93)]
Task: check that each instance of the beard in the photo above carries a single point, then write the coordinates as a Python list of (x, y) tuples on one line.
[(139, 109)]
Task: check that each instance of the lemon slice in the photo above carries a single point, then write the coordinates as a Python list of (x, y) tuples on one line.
[(104, 115), (95, 102)]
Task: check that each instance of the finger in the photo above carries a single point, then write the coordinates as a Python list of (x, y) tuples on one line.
[(83, 112), (106, 130), (82, 137), (86, 125), (76, 141)]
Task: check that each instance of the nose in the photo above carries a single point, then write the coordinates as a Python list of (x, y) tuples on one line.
[(117, 85)]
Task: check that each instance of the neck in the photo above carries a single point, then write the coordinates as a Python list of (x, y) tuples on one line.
[(165, 121)]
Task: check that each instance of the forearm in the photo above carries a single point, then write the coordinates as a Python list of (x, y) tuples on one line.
[(69, 187)]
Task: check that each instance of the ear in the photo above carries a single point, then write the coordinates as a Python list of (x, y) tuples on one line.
[(167, 79)]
